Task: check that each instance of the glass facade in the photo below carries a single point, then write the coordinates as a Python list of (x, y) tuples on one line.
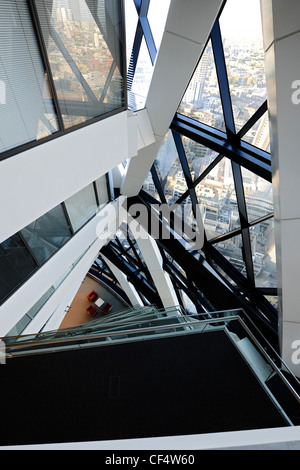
[(145, 21), (85, 56), (24, 252), (47, 234), (62, 65), (210, 160), (81, 207), (202, 99), (217, 198), (16, 264), (244, 55), (27, 112)]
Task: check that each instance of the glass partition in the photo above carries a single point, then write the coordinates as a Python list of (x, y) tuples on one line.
[(47, 234), (84, 47), (27, 112), (16, 265), (81, 207)]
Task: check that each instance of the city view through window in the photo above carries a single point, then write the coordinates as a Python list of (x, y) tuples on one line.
[(85, 62), (211, 175)]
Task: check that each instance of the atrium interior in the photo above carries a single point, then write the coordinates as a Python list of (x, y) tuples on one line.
[(150, 211)]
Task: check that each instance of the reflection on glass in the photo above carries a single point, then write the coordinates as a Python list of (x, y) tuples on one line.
[(169, 170), (16, 264), (243, 46), (263, 253), (231, 249), (198, 156), (217, 198), (84, 49), (81, 207), (259, 134), (47, 234), (27, 111), (258, 195), (202, 98), (102, 191)]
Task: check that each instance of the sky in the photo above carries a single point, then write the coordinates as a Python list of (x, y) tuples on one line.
[(241, 18)]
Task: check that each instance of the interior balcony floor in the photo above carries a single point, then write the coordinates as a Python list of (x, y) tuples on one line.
[(77, 314)]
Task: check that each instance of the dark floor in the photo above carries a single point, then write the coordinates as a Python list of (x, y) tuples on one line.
[(175, 386)]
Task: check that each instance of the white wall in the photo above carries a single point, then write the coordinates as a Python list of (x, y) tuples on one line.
[(35, 181)]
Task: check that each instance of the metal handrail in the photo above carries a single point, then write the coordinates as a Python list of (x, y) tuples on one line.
[(91, 325), (160, 329), (125, 332)]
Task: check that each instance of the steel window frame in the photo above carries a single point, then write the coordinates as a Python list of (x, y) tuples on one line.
[(227, 144)]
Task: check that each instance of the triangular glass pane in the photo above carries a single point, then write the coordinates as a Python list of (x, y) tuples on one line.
[(217, 199), (263, 253), (131, 20), (258, 195), (232, 250), (198, 156), (68, 88), (201, 100), (114, 96), (244, 54), (273, 299), (142, 78), (185, 223), (150, 187), (259, 134), (170, 171)]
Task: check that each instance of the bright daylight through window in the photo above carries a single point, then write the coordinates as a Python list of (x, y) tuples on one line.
[(226, 98)]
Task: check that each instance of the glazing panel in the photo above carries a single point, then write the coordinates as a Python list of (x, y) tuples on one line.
[(202, 99), (241, 30), (258, 195), (85, 52), (263, 254), (198, 156), (81, 207), (170, 171), (217, 199), (26, 108), (16, 265), (47, 234), (232, 250)]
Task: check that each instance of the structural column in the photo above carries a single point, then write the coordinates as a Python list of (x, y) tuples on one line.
[(281, 29), (154, 262), (128, 288), (187, 29)]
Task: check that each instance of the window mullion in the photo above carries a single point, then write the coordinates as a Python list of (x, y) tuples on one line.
[(221, 70), (44, 54)]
